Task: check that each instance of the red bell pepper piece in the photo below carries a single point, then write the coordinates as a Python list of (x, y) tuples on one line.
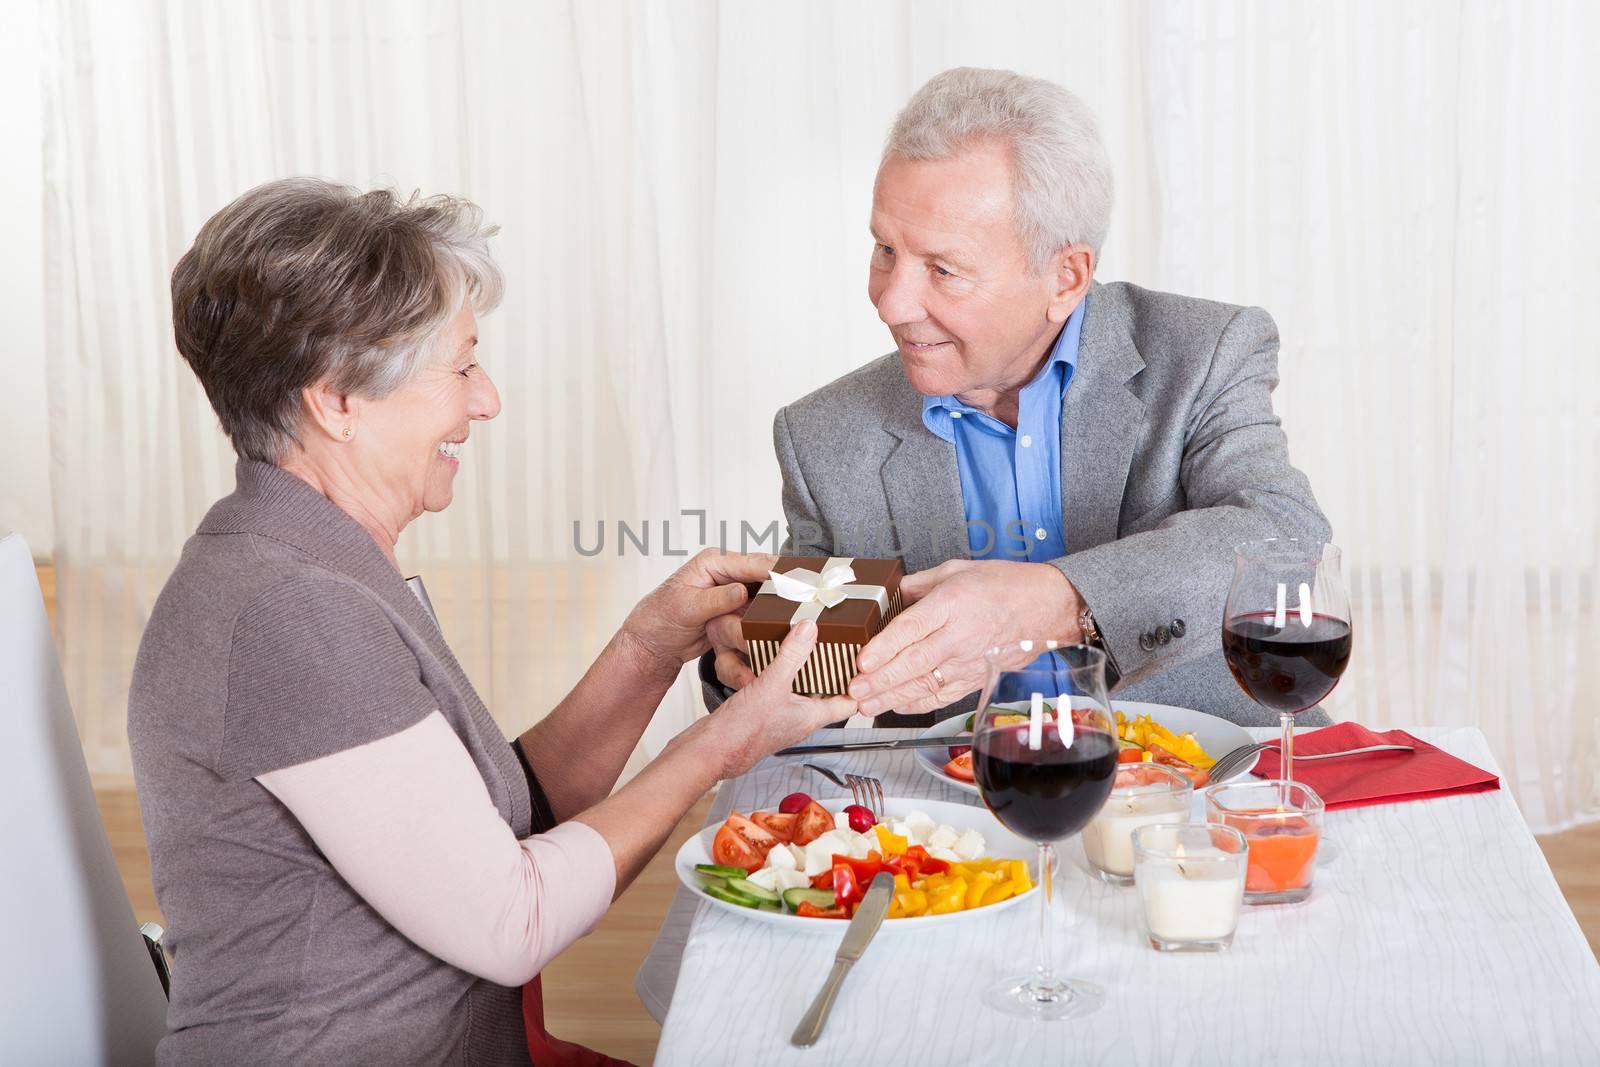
[(808, 910), (864, 869), (846, 890), (926, 864)]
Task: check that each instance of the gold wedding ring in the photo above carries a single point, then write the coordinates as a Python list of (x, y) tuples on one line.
[(938, 678)]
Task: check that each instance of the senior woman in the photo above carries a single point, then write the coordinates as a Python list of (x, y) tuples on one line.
[(355, 865)]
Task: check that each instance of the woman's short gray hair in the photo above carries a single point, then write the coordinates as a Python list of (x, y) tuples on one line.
[(301, 281), (1062, 172)]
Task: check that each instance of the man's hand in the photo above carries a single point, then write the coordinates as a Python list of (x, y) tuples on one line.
[(960, 610), (672, 625), (727, 641)]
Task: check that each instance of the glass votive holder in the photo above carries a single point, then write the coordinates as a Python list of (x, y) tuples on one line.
[(1142, 794), (1282, 824), (1190, 881)]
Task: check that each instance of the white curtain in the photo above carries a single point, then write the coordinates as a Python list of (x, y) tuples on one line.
[(683, 190)]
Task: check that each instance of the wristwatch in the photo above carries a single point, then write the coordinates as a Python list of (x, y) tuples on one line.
[(1092, 638)]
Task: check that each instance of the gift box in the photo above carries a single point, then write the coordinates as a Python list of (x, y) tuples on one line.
[(850, 600)]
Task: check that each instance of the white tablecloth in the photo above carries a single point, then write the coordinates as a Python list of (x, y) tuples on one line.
[(1438, 936)]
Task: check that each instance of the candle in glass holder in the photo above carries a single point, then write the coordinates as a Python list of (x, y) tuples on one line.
[(1142, 794), (1190, 881), (1282, 824)]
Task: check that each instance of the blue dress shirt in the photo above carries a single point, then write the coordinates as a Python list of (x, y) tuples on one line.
[(1011, 479)]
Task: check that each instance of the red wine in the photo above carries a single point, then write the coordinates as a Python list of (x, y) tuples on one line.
[(1288, 669), (1048, 793)]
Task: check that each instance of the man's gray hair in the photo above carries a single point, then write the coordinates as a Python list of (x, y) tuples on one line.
[(301, 281), (1062, 172)]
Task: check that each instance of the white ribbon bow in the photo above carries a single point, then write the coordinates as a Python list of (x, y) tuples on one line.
[(817, 591)]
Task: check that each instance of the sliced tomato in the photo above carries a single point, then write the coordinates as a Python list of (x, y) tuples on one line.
[(846, 890), (1195, 775), (808, 910), (957, 751), (775, 823), (741, 843), (961, 767), (1130, 755), (813, 821)]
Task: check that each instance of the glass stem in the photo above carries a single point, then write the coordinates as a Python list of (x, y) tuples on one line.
[(1044, 972), (1286, 751)]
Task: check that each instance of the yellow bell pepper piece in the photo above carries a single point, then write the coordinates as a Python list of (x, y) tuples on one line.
[(895, 910), (893, 844), (979, 886), (948, 897), (910, 902), (901, 883), (998, 892), (1019, 875)]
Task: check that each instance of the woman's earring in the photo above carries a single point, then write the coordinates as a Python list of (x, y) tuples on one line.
[(348, 433)]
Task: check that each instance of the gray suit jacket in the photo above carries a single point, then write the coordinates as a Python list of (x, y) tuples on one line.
[(1170, 456)]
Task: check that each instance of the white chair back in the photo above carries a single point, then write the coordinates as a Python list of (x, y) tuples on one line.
[(78, 985)]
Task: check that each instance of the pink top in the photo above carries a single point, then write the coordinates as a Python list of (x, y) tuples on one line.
[(407, 822)]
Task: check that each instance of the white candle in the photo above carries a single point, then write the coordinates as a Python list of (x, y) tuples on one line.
[(1108, 839), (1190, 901)]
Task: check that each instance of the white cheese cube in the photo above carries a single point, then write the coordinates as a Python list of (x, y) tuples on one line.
[(781, 859), (767, 878), (841, 821), (790, 879), (944, 837), (969, 846), (919, 824), (944, 854)]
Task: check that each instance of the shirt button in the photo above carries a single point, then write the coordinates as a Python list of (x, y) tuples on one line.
[(955, 414), (1163, 635), (1040, 534), (1026, 441), (1147, 641), (1178, 628)]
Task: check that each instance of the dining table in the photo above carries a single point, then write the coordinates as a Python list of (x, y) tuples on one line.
[(1437, 935)]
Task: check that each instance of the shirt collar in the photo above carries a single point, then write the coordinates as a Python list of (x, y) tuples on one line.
[(937, 410)]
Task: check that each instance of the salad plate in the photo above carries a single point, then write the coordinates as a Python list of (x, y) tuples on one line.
[(1216, 736), (998, 844)]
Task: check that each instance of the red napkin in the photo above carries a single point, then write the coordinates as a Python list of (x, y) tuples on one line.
[(545, 1049), (1376, 777)]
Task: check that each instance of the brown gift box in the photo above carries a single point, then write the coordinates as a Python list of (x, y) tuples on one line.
[(842, 630)]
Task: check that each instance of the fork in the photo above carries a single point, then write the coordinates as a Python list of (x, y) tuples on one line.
[(1234, 760), (864, 789)]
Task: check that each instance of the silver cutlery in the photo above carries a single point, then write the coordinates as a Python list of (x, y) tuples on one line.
[(871, 746), (864, 789), (1233, 762), (869, 916)]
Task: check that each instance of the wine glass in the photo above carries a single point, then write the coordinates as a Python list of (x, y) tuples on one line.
[(1286, 628), (1044, 776)]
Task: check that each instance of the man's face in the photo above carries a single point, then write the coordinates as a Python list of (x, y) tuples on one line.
[(951, 280)]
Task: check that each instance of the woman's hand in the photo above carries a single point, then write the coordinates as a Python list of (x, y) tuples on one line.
[(669, 625), (767, 714)]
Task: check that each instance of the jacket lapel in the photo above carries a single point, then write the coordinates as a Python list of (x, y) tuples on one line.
[(922, 485), (1101, 421)]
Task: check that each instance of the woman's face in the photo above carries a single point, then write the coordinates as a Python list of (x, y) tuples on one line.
[(414, 437)]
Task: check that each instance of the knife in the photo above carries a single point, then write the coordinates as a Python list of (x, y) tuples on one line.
[(864, 746), (869, 916)]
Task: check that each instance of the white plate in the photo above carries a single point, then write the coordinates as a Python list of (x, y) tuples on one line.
[(1215, 735), (998, 843)]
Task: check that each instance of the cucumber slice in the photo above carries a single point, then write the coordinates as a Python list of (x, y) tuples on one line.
[(732, 896), (750, 889), (774, 906), (716, 870), (821, 898)]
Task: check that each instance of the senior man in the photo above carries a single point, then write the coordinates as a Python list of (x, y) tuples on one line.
[(1051, 456)]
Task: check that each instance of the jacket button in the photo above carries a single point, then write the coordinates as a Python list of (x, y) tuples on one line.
[(1147, 641), (1178, 628), (1163, 635)]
